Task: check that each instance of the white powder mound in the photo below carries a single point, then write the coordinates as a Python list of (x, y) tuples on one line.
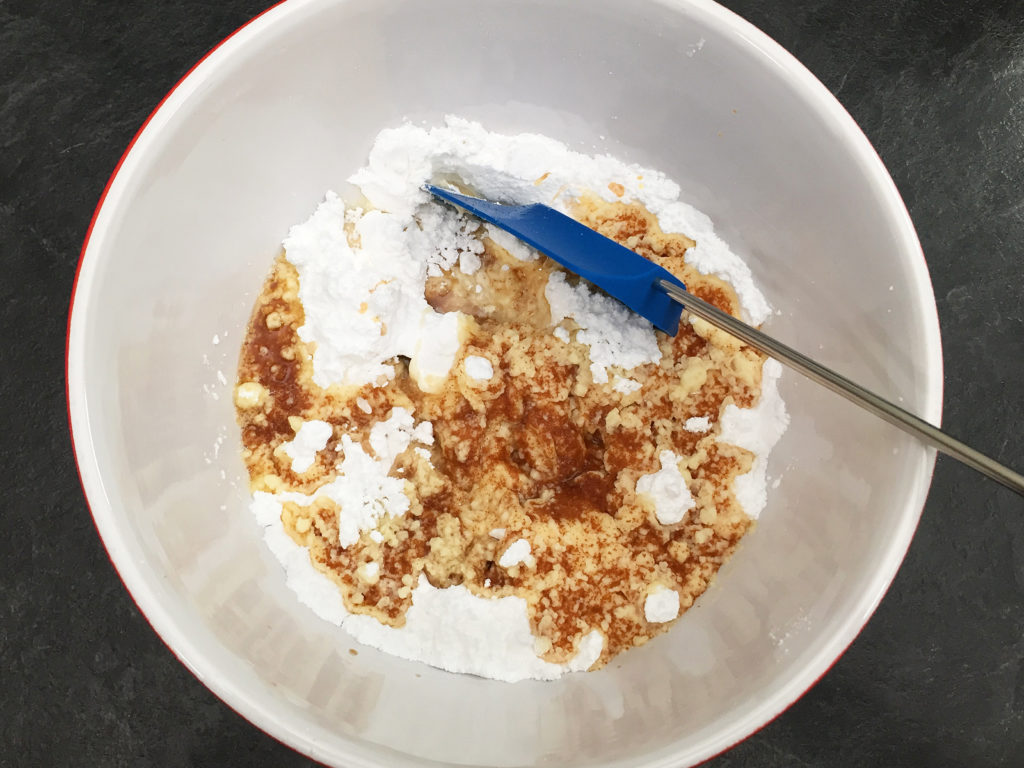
[(698, 424), (528, 168), (365, 305), (614, 333), (668, 491), (661, 605), (311, 438), (447, 628), (757, 429), (524, 168), (441, 235), (478, 368), (458, 632), (712, 256), (312, 588)]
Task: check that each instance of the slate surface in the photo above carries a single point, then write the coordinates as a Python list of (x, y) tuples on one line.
[(936, 678)]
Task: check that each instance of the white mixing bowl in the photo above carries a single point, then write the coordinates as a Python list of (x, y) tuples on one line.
[(285, 109)]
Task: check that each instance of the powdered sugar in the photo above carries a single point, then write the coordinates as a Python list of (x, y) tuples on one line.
[(512, 244), (757, 429), (616, 335), (518, 552), (661, 605), (478, 368), (698, 424), (456, 631), (447, 628), (364, 304), (391, 437), (443, 237), (370, 572), (712, 256), (528, 168), (363, 489), (311, 438), (667, 490), (626, 386)]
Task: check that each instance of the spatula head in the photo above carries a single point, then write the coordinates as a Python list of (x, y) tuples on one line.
[(618, 271)]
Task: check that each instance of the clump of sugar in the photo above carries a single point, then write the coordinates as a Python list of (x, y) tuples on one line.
[(516, 247), (311, 438), (698, 424), (444, 237), (478, 368), (667, 490), (369, 572), (661, 605), (518, 552), (364, 304), (391, 437), (757, 429), (615, 334), (626, 386)]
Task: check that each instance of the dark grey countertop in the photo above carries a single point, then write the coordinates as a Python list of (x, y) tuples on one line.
[(937, 676)]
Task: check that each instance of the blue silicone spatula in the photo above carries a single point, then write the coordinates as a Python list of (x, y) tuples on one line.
[(656, 294)]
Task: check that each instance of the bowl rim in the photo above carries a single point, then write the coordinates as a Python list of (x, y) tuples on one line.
[(139, 582)]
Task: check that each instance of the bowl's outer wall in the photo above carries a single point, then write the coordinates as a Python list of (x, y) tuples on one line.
[(286, 110)]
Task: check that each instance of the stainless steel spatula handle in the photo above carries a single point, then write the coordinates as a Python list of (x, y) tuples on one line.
[(841, 385)]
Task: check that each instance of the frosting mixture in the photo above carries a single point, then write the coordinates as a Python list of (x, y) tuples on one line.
[(467, 456)]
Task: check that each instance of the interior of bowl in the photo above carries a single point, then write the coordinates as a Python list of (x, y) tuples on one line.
[(286, 110)]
